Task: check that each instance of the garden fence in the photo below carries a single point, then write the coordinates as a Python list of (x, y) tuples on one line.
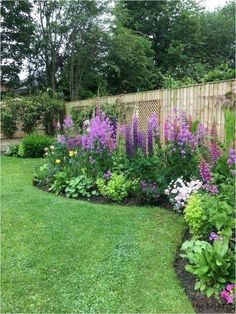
[(204, 102)]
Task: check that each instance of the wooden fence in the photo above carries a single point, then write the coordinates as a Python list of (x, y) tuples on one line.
[(204, 102)]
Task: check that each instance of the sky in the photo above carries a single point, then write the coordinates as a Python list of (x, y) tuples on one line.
[(212, 4)]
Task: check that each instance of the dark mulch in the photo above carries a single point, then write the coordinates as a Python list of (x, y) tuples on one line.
[(200, 303), (162, 201)]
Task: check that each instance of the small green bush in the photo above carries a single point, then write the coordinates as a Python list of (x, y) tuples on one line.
[(80, 186), (195, 215), (32, 146), (117, 188), (8, 122), (12, 150)]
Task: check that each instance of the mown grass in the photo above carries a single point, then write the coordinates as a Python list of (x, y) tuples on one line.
[(66, 256)]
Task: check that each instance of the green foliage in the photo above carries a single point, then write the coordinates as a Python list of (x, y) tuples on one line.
[(12, 150), (130, 66), (44, 176), (212, 264), (29, 111), (195, 216), (8, 121), (219, 214), (60, 182), (80, 186), (117, 188), (28, 114), (33, 145), (229, 114)]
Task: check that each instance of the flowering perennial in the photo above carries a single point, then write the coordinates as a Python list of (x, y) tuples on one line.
[(179, 192), (100, 135), (214, 236), (68, 123), (232, 157), (228, 293)]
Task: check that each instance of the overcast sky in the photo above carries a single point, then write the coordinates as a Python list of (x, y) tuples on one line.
[(212, 4)]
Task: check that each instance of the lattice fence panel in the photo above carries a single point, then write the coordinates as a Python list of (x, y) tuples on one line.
[(145, 110)]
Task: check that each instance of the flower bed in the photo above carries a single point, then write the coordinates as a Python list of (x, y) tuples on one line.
[(192, 169)]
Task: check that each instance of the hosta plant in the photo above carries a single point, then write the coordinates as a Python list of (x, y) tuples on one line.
[(212, 264)]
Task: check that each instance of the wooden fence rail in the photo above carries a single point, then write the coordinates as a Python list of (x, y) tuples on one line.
[(204, 102)]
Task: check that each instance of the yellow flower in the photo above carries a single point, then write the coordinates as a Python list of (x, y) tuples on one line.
[(52, 147), (46, 148), (72, 153), (46, 154), (58, 161)]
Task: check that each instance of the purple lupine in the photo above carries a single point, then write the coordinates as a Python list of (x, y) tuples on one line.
[(142, 142), (61, 139), (232, 157), (68, 123), (205, 171), (150, 140), (128, 141), (214, 236), (154, 123), (135, 132), (215, 152), (211, 188)]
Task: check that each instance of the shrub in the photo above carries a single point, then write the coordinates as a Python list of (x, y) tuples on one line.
[(80, 186), (194, 215), (212, 264), (117, 188), (12, 150), (33, 145), (8, 122)]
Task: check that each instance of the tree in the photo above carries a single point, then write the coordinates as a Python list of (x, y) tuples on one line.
[(17, 32), (131, 65)]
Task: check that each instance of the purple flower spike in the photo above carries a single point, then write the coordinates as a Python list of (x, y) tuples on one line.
[(232, 157), (135, 132), (128, 141), (213, 236), (205, 171)]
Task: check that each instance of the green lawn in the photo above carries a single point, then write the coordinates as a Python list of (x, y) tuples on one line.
[(66, 256)]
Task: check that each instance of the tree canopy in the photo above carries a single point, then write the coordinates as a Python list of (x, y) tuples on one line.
[(84, 48)]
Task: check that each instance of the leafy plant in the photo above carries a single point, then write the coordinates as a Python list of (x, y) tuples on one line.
[(12, 150), (60, 182), (80, 186), (33, 145), (195, 216), (44, 175), (229, 114), (8, 121), (212, 264), (117, 188)]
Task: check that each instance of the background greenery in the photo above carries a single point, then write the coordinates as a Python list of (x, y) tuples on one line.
[(87, 48)]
